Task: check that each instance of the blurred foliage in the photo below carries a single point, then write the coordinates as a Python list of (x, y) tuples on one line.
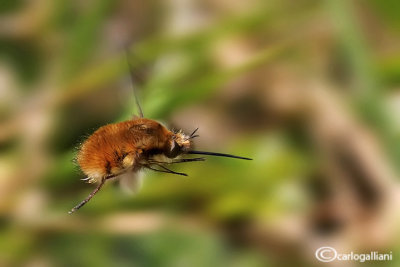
[(64, 72)]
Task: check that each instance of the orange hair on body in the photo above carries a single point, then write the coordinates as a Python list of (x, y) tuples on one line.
[(115, 148)]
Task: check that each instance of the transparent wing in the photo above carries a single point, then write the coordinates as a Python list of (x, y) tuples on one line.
[(131, 182)]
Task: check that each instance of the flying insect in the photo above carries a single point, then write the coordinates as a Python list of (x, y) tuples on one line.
[(127, 147)]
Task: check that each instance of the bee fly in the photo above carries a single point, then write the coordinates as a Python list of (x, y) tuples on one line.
[(129, 146)]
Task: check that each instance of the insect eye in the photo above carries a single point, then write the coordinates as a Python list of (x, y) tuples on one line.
[(174, 151)]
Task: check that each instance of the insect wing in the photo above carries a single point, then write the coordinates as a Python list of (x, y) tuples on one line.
[(131, 182)]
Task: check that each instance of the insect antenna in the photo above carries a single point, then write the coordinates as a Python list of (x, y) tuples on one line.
[(216, 154), (192, 135), (195, 130), (133, 84)]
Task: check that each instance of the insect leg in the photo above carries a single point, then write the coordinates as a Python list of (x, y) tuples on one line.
[(112, 176), (171, 171), (86, 200), (165, 170), (88, 179)]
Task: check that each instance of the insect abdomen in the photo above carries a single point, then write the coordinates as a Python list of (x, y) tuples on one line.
[(104, 154)]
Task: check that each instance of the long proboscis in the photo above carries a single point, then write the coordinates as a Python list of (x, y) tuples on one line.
[(216, 154)]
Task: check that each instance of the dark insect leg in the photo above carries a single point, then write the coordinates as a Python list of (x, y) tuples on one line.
[(77, 207), (171, 171), (166, 170), (111, 176), (107, 177)]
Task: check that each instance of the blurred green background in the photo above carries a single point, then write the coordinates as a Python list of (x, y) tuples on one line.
[(308, 89)]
